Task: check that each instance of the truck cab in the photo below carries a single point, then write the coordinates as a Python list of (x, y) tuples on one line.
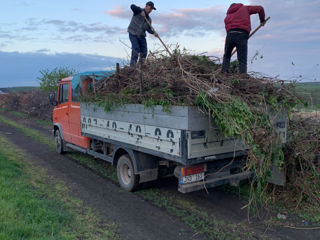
[(66, 116)]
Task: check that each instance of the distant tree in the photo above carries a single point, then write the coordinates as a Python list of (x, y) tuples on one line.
[(49, 79)]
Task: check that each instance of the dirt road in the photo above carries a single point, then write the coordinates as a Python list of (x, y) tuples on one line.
[(135, 217)]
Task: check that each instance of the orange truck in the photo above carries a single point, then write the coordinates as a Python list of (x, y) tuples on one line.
[(148, 143)]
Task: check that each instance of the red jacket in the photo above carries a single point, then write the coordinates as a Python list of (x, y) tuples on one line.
[(238, 16)]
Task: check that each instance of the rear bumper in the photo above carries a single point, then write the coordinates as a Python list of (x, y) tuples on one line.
[(214, 182)]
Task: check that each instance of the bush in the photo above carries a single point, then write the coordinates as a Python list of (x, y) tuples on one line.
[(49, 80)]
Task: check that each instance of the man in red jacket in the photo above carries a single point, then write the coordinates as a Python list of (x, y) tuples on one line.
[(238, 26)]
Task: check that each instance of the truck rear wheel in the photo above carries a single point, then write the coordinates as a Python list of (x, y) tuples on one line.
[(59, 142), (125, 171)]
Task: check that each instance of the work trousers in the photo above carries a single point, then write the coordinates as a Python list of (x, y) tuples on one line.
[(239, 40), (139, 46)]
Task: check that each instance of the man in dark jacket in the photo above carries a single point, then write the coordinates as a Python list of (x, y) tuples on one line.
[(137, 31), (238, 26)]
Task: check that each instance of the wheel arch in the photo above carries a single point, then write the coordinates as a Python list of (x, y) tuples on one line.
[(145, 165), (57, 126), (119, 151)]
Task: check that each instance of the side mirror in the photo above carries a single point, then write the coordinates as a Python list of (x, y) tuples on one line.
[(53, 99)]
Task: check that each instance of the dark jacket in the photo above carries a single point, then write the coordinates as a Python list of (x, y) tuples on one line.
[(138, 25), (238, 16)]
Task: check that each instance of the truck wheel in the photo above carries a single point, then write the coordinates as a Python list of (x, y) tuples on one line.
[(125, 171), (59, 142)]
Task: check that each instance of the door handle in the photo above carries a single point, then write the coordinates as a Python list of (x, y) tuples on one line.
[(67, 114)]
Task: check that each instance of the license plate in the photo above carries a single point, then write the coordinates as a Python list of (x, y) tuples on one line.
[(192, 178)]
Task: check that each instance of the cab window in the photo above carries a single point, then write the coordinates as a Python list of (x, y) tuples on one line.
[(64, 93)]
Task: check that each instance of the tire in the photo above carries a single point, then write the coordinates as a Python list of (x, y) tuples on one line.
[(59, 142), (125, 172)]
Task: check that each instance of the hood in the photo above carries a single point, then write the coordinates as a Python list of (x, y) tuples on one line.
[(234, 7)]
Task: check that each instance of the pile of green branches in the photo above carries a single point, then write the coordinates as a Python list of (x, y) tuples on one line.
[(242, 106), (302, 163)]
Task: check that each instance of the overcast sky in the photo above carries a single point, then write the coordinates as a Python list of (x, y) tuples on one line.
[(39, 34)]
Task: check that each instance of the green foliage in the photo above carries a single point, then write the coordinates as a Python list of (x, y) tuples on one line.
[(163, 102), (125, 97), (234, 67), (235, 118), (203, 61), (235, 111), (49, 79), (256, 56)]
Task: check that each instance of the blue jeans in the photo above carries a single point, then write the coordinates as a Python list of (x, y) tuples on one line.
[(139, 46)]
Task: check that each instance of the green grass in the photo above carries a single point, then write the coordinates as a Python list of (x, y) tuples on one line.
[(24, 115), (311, 93), (191, 214), (29, 132), (35, 206)]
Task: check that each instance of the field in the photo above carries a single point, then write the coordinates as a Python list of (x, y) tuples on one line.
[(311, 92), (18, 89)]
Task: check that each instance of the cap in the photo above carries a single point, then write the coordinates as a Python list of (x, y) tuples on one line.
[(151, 4)]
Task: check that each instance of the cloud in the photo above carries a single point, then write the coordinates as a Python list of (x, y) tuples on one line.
[(292, 20), (292, 35), (120, 12), (11, 36), (3, 44), (72, 26), (24, 4), (43, 50), (191, 21), (61, 30)]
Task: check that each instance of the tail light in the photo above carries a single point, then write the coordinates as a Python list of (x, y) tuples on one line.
[(187, 171)]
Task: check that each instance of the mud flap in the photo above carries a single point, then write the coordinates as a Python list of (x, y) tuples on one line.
[(146, 166), (148, 175)]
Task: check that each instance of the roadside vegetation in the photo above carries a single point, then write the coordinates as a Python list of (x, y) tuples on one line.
[(35, 206), (49, 79), (38, 121)]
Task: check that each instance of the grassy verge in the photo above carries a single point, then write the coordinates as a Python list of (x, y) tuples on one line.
[(193, 215), (24, 115), (29, 132), (34, 206)]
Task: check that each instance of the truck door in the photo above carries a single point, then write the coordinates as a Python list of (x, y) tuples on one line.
[(63, 110), (75, 121)]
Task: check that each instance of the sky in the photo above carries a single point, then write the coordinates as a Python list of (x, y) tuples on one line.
[(92, 35)]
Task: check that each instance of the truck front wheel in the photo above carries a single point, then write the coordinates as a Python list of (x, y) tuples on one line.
[(59, 142), (125, 171)]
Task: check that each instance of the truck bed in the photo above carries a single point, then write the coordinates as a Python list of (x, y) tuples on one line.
[(185, 134)]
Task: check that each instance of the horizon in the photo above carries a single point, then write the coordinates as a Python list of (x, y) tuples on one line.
[(92, 36)]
